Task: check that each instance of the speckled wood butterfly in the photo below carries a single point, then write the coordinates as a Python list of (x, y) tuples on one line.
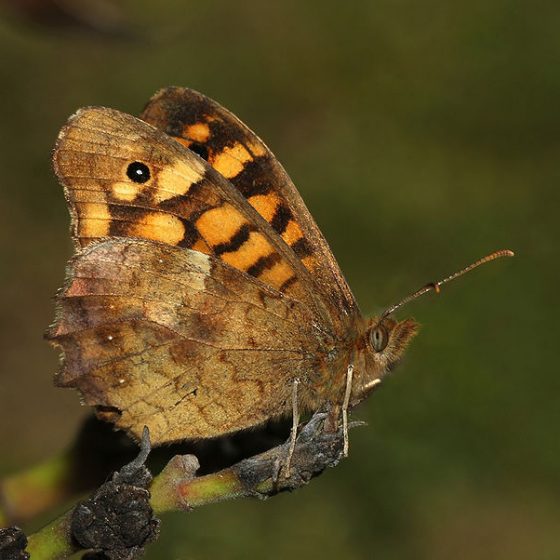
[(202, 293)]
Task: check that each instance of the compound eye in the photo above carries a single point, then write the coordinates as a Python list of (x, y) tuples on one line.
[(379, 338)]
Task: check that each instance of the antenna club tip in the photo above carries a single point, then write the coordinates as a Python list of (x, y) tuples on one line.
[(496, 255), (499, 254)]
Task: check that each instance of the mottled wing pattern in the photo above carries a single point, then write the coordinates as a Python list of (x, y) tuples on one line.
[(239, 155), (181, 200), (174, 339)]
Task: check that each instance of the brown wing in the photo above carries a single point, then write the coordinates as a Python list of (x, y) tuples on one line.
[(239, 155), (124, 178), (176, 340)]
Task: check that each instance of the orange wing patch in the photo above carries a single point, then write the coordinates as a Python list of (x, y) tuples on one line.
[(266, 205), (158, 227), (199, 132), (231, 161), (256, 247), (220, 225), (95, 220)]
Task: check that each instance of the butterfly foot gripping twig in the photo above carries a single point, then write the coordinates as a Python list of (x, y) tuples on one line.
[(316, 448)]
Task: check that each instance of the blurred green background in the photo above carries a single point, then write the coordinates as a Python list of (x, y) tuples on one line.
[(421, 135)]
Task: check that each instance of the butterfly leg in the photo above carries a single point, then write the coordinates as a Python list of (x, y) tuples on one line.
[(295, 424), (345, 405)]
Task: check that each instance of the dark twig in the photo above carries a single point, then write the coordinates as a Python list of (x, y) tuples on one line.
[(126, 515)]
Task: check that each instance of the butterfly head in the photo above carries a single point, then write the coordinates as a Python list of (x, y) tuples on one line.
[(385, 339), (383, 344)]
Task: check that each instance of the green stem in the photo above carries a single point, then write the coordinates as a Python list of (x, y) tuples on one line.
[(53, 541)]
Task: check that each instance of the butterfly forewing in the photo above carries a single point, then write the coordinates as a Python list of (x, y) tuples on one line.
[(239, 155), (124, 178)]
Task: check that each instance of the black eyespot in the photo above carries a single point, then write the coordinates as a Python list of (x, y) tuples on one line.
[(379, 338), (138, 172), (200, 150)]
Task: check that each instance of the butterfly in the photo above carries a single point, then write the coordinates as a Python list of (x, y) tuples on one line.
[(202, 298)]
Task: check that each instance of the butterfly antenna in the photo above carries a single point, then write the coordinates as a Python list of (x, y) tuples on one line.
[(436, 286)]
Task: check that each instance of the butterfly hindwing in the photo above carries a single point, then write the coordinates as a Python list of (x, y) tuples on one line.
[(174, 339)]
